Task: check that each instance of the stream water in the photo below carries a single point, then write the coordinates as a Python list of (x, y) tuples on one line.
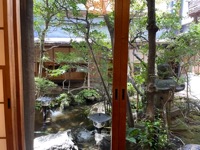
[(72, 118)]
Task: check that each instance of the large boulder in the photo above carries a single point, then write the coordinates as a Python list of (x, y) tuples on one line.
[(84, 136), (97, 108), (59, 141), (191, 147)]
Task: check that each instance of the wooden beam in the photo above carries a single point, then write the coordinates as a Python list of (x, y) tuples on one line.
[(19, 122), (120, 74)]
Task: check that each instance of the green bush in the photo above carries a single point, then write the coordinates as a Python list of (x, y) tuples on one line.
[(44, 86), (86, 95), (63, 100), (130, 89), (38, 105), (151, 135)]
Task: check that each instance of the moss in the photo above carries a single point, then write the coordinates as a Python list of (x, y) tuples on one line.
[(188, 129)]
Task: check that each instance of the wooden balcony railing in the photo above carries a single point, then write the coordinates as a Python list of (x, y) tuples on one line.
[(72, 74), (194, 8)]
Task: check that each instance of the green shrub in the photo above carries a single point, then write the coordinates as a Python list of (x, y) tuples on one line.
[(151, 135), (86, 95), (130, 89), (63, 100), (38, 105), (44, 86)]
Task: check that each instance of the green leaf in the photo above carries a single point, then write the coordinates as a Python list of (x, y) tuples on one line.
[(131, 139)]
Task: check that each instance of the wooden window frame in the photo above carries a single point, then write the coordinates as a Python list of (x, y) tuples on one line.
[(13, 60), (12, 72)]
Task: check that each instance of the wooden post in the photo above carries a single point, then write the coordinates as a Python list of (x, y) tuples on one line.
[(120, 74)]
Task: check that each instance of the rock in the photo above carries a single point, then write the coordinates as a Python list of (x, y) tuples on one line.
[(59, 141), (99, 137), (97, 108), (178, 125), (190, 147), (105, 143), (84, 136), (175, 112)]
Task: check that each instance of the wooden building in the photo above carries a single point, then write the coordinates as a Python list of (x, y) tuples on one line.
[(72, 74), (194, 8), (194, 12)]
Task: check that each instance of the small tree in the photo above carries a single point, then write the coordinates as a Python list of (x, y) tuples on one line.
[(183, 52), (80, 23), (152, 29), (45, 17)]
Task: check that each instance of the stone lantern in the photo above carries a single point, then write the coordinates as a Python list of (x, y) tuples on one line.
[(165, 87), (99, 120), (45, 102)]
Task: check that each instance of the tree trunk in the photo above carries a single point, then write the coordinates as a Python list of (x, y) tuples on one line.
[(110, 28), (41, 56), (98, 69), (42, 48), (129, 113), (152, 29), (27, 38), (94, 58)]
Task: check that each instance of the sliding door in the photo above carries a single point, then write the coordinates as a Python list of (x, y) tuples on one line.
[(5, 113), (10, 99)]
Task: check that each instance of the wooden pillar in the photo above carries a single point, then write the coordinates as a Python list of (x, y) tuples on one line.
[(120, 74)]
